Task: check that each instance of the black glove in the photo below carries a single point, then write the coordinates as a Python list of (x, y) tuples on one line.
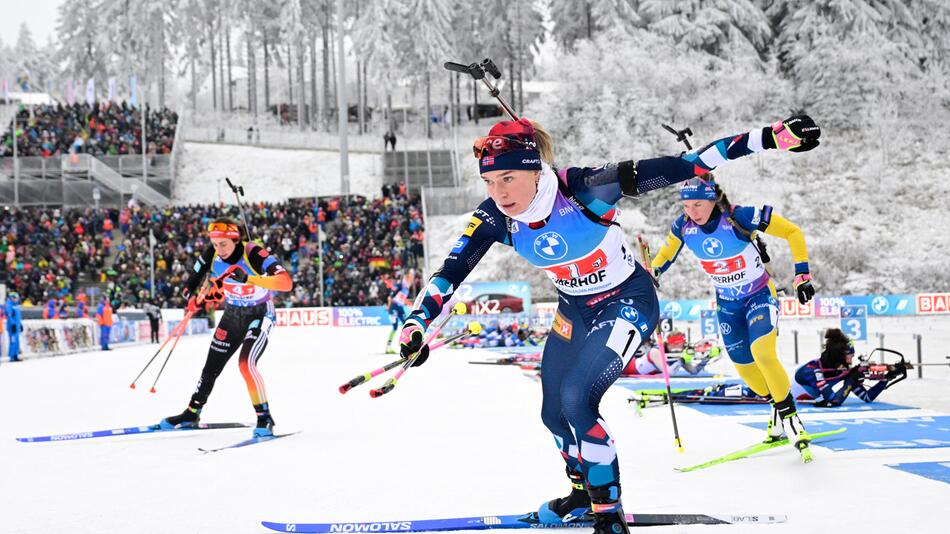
[(898, 370), (798, 133), (239, 275), (859, 373), (803, 288)]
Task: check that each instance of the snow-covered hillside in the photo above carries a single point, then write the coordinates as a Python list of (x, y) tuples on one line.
[(269, 174)]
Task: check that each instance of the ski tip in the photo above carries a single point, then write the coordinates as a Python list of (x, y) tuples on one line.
[(279, 527)]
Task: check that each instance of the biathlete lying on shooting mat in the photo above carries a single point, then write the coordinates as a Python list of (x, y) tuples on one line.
[(649, 361), (826, 381), (565, 221)]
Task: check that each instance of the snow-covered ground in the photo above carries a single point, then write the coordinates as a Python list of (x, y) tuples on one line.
[(452, 439), (269, 174)]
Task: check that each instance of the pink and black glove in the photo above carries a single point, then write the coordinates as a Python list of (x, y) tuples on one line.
[(803, 288), (798, 133), (410, 342)]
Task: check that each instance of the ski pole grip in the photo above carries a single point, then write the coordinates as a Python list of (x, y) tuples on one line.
[(455, 67)]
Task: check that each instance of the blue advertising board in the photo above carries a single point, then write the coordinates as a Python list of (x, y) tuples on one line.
[(876, 306), (361, 316), (879, 305), (684, 310)]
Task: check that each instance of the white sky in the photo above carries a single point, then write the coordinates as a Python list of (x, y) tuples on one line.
[(39, 15)]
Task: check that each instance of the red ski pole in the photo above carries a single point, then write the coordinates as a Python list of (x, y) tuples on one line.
[(647, 260), (179, 330), (173, 333)]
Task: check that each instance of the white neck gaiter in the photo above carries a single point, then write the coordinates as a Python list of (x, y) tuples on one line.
[(543, 202)]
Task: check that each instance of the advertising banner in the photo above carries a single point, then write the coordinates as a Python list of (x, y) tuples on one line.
[(880, 305), (492, 298), (304, 317), (685, 310), (931, 303), (361, 316), (61, 336)]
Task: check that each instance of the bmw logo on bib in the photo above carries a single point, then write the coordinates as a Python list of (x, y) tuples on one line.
[(712, 247), (629, 314), (550, 246)]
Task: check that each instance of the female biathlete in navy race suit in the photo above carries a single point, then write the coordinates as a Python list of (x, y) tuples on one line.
[(723, 238), (829, 379), (565, 222), (246, 322)]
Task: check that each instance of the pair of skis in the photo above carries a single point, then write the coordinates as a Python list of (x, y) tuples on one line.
[(252, 441), (756, 449), (515, 521), (151, 429)]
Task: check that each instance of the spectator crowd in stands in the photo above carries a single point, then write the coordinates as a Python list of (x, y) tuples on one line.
[(102, 129), (44, 252), (367, 245)]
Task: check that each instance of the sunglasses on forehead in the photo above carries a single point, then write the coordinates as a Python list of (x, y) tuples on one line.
[(222, 227), (499, 144)]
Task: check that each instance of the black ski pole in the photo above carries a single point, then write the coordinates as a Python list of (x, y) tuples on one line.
[(477, 71), (681, 135), (238, 191)]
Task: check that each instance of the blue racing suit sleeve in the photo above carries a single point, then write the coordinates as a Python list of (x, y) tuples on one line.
[(752, 219), (486, 226), (600, 188)]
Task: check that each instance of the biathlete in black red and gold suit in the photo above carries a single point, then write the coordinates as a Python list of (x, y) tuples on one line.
[(247, 320)]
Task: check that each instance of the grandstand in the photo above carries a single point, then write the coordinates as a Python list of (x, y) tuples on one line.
[(80, 183)]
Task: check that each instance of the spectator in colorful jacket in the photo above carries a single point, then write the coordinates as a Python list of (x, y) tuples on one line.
[(104, 318)]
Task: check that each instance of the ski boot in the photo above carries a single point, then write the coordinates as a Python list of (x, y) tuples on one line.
[(608, 512), (574, 507), (614, 522), (186, 419), (775, 431), (265, 423), (797, 434)]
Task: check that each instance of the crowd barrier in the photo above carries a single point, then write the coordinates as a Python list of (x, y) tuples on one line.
[(63, 336), (54, 337)]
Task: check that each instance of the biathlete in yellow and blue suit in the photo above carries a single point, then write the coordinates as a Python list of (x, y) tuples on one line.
[(723, 238)]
